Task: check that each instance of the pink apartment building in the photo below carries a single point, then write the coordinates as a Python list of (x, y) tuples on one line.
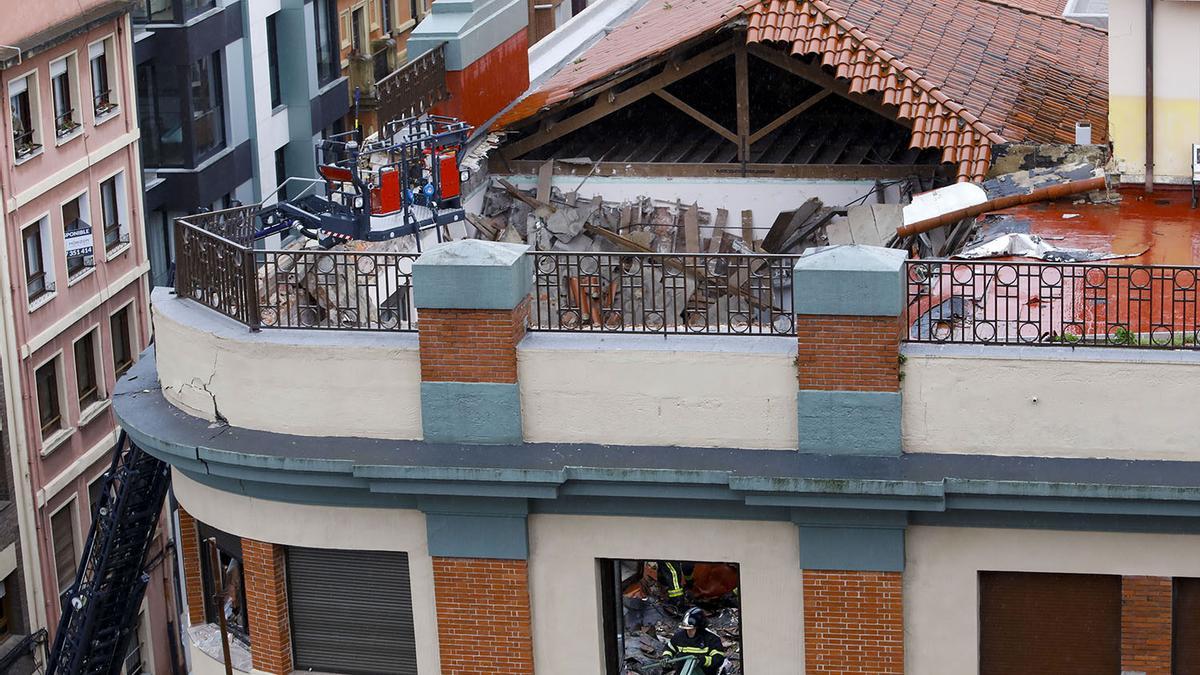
[(74, 302)]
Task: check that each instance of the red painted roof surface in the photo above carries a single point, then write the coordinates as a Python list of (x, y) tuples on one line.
[(968, 73)]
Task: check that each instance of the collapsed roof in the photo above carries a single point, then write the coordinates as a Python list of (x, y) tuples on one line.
[(962, 75)]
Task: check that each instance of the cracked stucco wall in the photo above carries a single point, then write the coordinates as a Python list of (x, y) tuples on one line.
[(310, 383)]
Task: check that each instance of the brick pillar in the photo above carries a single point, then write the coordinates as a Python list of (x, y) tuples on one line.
[(848, 302), (853, 622), (1146, 625), (266, 605), (472, 301), (193, 584), (483, 616)]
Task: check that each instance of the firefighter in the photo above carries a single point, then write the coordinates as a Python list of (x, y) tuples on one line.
[(695, 639), (675, 578)]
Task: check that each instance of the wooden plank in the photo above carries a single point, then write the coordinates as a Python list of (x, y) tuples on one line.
[(691, 228), (517, 194), (626, 218), (742, 75), (748, 227), (790, 115), (696, 114), (697, 169), (609, 102), (545, 178), (714, 244), (862, 226)]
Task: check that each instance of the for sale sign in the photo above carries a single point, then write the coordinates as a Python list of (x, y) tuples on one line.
[(79, 241)]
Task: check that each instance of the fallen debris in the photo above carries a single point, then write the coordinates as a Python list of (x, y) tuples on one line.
[(1033, 246)]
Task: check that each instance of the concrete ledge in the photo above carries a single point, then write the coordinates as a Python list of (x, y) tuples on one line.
[(1052, 353), (471, 412), (849, 422), (856, 549)]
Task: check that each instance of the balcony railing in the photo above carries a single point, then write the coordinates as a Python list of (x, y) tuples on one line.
[(415, 87), (1053, 304), (663, 293), (218, 266)]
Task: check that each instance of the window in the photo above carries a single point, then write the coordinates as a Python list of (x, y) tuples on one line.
[(122, 345), (373, 613), (103, 100), (170, 11), (281, 174), (230, 596), (77, 235), (23, 105), (112, 208), (358, 31), (37, 280), (208, 115), (653, 586), (95, 492), (385, 12), (62, 87), (86, 378), (7, 591), (161, 113), (134, 662), (49, 408), (329, 66), (62, 535), (273, 60)]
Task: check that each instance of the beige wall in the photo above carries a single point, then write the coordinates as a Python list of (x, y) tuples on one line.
[(1176, 87), (640, 390), (1050, 402), (941, 603), (564, 587), (328, 527), (309, 383)]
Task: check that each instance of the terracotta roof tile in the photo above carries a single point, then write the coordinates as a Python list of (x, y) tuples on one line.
[(966, 73)]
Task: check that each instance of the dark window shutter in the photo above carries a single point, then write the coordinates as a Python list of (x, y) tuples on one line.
[(351, 611), (1186, 641), (1066, 624)]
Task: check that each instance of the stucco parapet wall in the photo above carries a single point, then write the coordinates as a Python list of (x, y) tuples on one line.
[(364, 471), (1050, 401), (307, 382)]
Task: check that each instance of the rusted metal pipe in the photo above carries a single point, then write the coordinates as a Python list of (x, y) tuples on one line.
[(1044, 194)]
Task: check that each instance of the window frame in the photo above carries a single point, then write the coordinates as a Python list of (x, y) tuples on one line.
[(328, 42), (120, 367), (229, 547), (45, 273), (121, 208), (214, 113), (50, 424), (96, 394), (85, 211), (273, 61), (7, 585), (68, 90), (104, 102), (32, 146), (72, 509)]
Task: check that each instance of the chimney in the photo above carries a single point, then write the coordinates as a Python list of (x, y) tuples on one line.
[(487, 54), (1083, 133)]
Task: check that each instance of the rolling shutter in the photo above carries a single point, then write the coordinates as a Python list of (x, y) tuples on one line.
[(1186, 639), (351, 611), (1066, 624)]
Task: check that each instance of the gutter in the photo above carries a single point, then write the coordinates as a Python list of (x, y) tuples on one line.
[(1149, 96)]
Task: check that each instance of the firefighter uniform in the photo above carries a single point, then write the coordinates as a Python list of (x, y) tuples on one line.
[(674, 577), (704, 644)]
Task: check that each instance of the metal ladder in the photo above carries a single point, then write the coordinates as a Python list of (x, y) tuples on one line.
[(100, 610)]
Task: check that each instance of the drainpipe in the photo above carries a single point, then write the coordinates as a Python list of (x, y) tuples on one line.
[(1149, 96)]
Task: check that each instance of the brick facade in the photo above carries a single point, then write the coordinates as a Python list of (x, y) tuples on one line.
[(848, 353), (483, 616), (266, 605), (193, 585), (1146, 625), (853, 622), (471, 345)]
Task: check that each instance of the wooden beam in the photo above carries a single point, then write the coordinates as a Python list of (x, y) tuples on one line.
[(609, 102), (742, 75), (789, 115), (818, 76), (696, 114), (526, 167)]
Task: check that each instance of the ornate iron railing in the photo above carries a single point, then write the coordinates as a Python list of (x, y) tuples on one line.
[(1053, 304), (665, 293), (217, 265), (335, 290), (414, 88)]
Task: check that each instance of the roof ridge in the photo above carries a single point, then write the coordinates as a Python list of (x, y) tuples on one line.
[(915, 76), (1046, 15)]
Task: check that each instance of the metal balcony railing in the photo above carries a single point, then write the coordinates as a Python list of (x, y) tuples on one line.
[(1053, 304), (415, 87)]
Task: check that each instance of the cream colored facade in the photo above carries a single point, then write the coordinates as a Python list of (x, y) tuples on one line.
[(1130, 404), (1176, 87)]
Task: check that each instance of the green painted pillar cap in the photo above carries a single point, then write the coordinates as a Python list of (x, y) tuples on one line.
[(472, 274), (850, 281)]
